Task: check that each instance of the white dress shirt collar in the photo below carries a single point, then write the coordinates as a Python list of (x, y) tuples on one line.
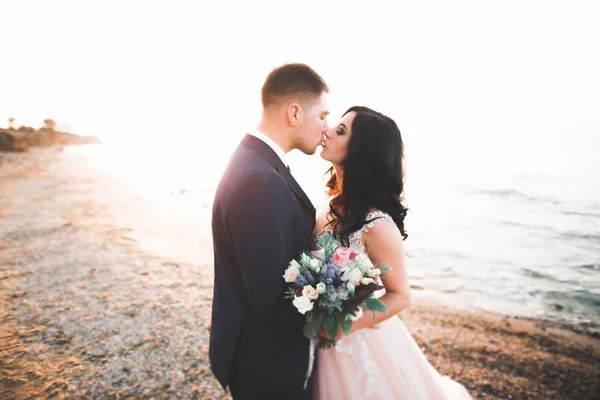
[(276, 148)]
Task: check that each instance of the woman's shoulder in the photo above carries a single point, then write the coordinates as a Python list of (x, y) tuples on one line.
[(375, 215), (379, 226)]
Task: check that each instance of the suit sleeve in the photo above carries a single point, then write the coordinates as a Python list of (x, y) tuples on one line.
[(260, 216)]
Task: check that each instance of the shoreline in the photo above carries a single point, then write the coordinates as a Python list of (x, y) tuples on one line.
[(92, 310), (423, 297)]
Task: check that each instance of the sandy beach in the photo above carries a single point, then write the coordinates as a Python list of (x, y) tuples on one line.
[(104, 296)]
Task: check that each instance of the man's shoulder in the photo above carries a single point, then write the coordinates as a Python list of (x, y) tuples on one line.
[(247, 163), (254, 189), (259, 179), (249, 157), (248, 170)]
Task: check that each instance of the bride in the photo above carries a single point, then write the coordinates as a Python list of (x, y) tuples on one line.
[(379, 359)]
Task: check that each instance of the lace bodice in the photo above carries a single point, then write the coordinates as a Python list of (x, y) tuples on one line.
[(355, 240)]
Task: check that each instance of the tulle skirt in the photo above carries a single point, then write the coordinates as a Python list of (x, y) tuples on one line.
[(385, 364)]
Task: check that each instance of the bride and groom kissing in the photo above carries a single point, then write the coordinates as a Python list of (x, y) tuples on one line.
[(262, 219)]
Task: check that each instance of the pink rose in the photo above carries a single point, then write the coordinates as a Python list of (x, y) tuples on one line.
[(310, 292), (341, 256), (353, 255)]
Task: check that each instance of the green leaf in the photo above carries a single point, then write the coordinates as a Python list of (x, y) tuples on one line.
[(309, 316), (308, 331), (375, 305), (386, 269), (329, 245), (339, 315), (316, 323), (291, 293), (312, 325), (347, 326), (332, 325)]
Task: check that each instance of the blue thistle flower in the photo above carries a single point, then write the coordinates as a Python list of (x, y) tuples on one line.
[(300, 281), (338, 272), (309, 278)]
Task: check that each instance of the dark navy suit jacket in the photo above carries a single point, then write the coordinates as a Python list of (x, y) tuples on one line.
[(261, 220)]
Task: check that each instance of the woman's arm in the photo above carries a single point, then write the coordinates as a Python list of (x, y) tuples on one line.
[(385, 246)]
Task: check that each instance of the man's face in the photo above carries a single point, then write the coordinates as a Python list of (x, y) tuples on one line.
[(313, 125)]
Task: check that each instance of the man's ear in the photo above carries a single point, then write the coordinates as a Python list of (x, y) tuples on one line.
[(293, 113)]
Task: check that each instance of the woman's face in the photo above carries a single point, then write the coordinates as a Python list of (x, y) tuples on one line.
[(335, 140)]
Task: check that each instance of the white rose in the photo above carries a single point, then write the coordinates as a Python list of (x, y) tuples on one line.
[(317, 270), (310, 292), (358, 315), (350, 286), (291, 273), (321, 288), (353, 276), (303, 304), (314, 263), (366, 281), (363, 261), (373, 272)]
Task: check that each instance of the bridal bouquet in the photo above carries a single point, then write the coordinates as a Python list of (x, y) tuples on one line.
[(331, 286)]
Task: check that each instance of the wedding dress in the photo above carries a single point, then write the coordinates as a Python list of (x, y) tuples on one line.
[(380, 364)]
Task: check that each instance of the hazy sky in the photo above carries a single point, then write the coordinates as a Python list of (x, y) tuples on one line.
[(511, 84)]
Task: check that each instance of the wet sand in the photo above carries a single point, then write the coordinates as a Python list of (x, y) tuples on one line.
[(105, 295)]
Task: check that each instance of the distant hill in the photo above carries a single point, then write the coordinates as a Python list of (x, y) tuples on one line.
[(23, 138)]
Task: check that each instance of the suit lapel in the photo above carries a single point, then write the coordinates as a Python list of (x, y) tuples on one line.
[(297, 189), (275, 161)]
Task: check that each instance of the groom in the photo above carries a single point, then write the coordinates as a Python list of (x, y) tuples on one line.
[(261, 220)]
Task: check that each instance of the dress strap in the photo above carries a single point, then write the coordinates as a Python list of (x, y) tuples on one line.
[(372, 217)]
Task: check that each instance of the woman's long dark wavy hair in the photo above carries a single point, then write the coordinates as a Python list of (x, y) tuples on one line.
[(372, 175)]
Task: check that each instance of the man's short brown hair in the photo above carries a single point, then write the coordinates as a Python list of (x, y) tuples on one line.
[(292, 80)]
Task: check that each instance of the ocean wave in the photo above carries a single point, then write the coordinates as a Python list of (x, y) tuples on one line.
[(517, 194), (593, 267), (595, 237), (537, 274), (581, 214), (572, 299), (536, 227)]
